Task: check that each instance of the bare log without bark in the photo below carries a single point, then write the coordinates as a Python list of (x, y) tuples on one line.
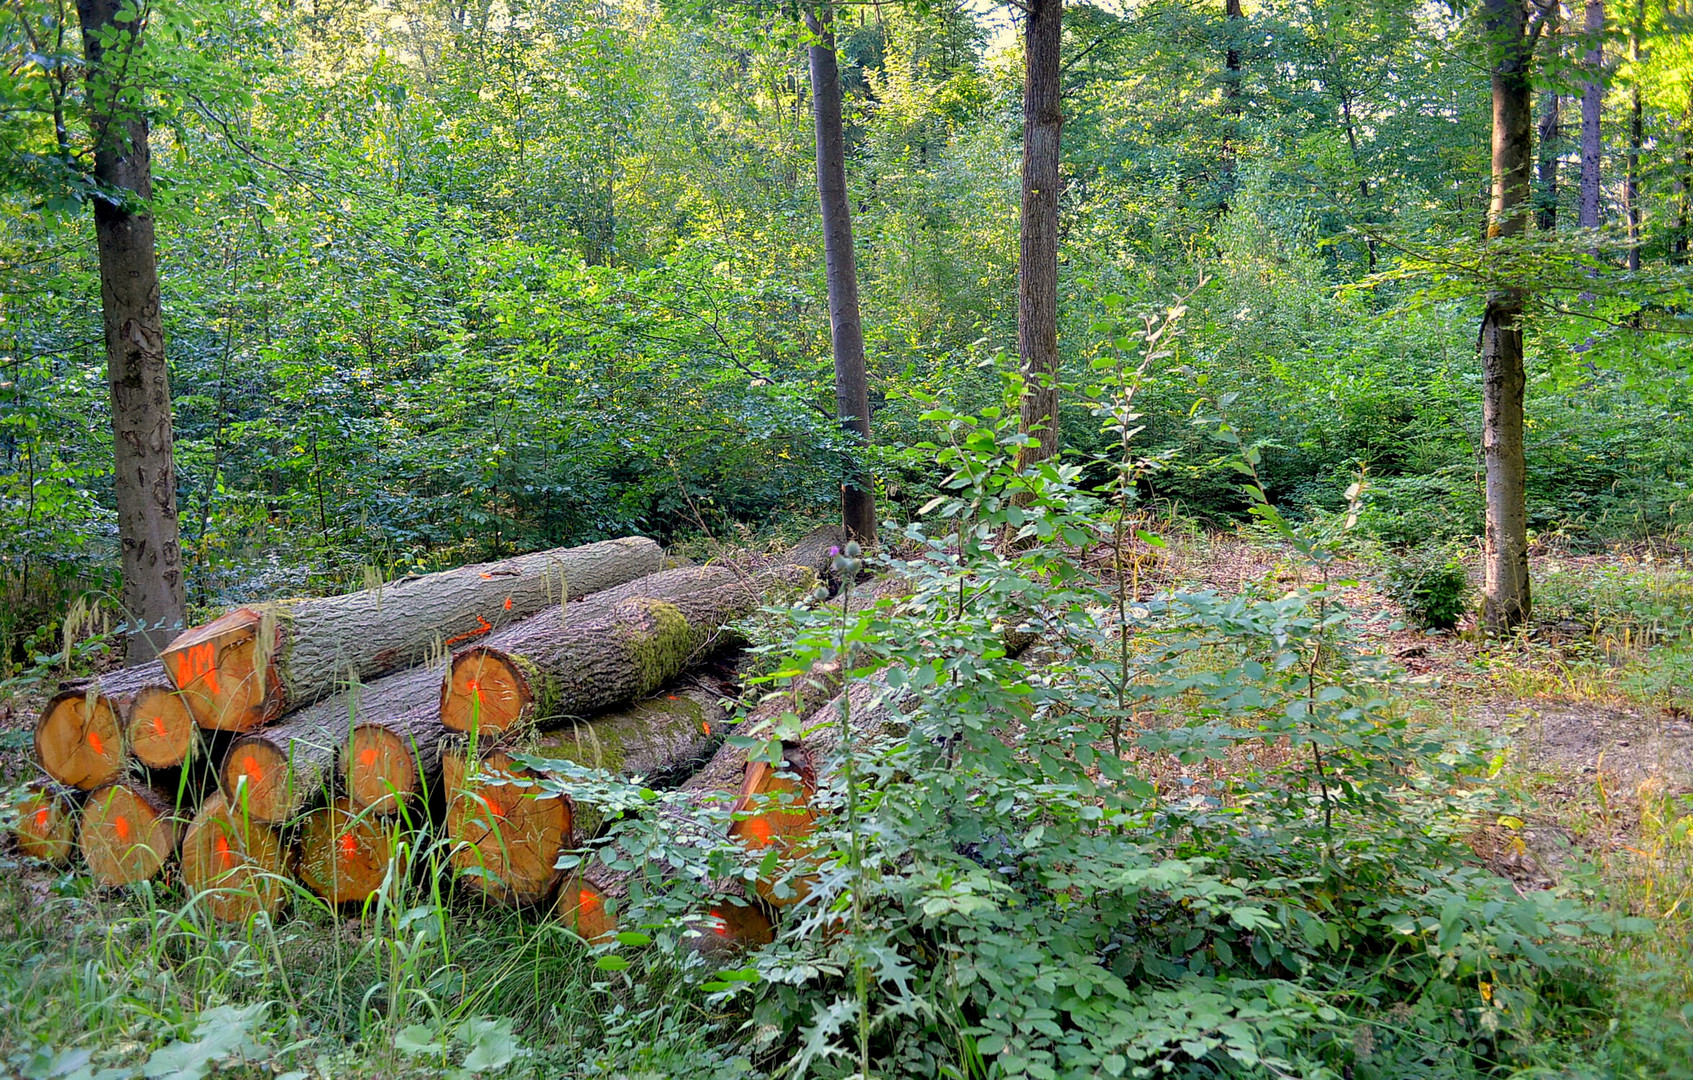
[(392, 762), (128, 833), (47, 819), (507, 837), (252, 665), (79, 739), (237, 864), (601, 655), (275, 772), (346, 855)]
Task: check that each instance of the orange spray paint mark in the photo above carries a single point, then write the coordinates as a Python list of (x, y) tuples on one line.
[(367, 756), (95, 744), (197, 662), (487, 577), (159, 727), (121, 824), (349, 846), (758, 831), (722, 927), (508, 603), (707, 725), (482, 627), (41, 816), (250, 768), (224, 855), (586, 900)]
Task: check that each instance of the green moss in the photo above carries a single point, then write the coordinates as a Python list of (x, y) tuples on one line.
[(659, 645)]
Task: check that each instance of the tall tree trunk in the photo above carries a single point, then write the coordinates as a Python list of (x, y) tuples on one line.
[(1592, 106), (144, 474), (1234, 23), (1636, 135), (1550, 135), (852, 385), (1503, 377), (1037, 276), (1682, 242)]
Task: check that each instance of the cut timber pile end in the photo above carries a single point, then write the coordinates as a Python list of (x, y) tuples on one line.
[(345, 855), (128, 832), (506, 839), (79, 739), (273, 773), (390, 763), (603, 653), (251, 665), (236, 863), (591, 896), (47, 824)]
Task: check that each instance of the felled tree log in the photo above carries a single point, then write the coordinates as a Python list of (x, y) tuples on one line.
[(506, 837), (345, 855), (275, 772), (255, 663), (599, 656), (79, 738), (128, 832), (593, 896), (392, 762), (237, 865), (47, 819)]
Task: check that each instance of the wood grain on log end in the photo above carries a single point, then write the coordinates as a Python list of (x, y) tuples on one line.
[(258, 777), (773, 811), (128, 832), (160, 727), (731, 927), (487, 692), (506, 837), (46, 827), (345, 855), (79, 739), (382, 771), (237, 864), (219, 671)]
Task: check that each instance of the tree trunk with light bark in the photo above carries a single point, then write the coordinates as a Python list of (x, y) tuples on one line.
[(1037, 263)]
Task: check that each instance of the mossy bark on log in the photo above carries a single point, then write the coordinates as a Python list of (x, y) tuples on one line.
[(129, 831), (506, 837), (275, 772), (601, 656), (346, 855), (79, 738), (390, 763), (47, 820), (236, 864), (255, 663)]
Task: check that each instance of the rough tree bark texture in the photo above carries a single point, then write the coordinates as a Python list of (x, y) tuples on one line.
[(1506, 591), (1037, 275), (1682, 243), (1636, 136), (277, 771), (1592, 108), (852, 387), (144, 475), (1234, 24), (257, 662)]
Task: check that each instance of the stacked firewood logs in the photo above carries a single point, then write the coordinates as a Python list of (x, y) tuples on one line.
[(330, 746)]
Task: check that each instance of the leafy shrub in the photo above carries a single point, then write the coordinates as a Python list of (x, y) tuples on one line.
[(1430, 584)]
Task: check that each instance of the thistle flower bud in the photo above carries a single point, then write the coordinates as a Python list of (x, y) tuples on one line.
[(853, 551)]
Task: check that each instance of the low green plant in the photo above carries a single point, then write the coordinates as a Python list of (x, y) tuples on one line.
[(1430, 584)]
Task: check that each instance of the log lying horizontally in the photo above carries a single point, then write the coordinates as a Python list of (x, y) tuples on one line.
[(392, 761), (346, 854), (248, 667), (129, 831), (80, 737), (275, 772), (237, 865), (506, 837), (46, 827), (600, 655)]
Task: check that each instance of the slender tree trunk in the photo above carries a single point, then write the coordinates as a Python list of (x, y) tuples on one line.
[(1683, 239), (1592, 107), (1235, 19), (144, 474), (852, 385), (1037, 278), (1550, 134), (1503, 375), (1636, 135)]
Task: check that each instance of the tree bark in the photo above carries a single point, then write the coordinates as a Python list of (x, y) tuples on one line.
[(852, 387), (597, 656), (1592, 107), (1636, 136), (252, 665), (1503, 377), (1234, 20), (1681, 244), (144, 474), (1037, 277), (1550, 136)]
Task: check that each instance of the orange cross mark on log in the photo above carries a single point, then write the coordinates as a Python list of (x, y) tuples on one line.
[(482, 628), (198, 662), (349, 846)]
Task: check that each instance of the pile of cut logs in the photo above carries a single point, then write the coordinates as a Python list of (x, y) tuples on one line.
[(321, 743)]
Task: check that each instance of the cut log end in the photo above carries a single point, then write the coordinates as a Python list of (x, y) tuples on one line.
[(234, 862), (506, 840), (731, 928), (160, 728), (582, 909), (217, 667), (382, 772), (486, 692), (345, 854), (774, 812), (78, 740), (256, 777), (128, 832), (46, 827)]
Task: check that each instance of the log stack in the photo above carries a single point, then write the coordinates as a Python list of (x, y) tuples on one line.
[(316, 747)]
